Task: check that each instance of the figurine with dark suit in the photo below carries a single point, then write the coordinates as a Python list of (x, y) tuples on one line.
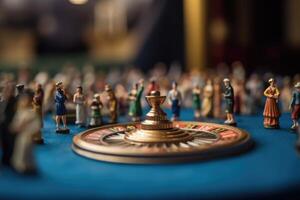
[(229, 102), (8, 107), (295, 106)]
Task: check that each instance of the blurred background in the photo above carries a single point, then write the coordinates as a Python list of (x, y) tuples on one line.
[(193, 34)]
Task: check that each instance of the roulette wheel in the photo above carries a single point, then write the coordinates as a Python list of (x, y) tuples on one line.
[(158, 140)]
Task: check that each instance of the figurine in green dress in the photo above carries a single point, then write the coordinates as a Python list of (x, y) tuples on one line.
[(135, 109), (197, 101)]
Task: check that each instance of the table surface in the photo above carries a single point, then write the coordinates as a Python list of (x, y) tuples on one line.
[(271, 168)]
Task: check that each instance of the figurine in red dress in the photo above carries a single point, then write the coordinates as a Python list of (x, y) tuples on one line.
[(153, 86), (271, 112)]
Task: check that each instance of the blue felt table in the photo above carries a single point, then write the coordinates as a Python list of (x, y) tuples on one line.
[(271, 168)]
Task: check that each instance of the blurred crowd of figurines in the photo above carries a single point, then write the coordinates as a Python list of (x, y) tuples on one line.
[(85, 97)]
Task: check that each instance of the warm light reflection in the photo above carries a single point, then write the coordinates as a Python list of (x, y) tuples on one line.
[(194, 19), (78, 2)]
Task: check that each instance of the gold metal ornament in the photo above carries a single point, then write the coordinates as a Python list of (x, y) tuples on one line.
[(158, 140), (156, 128)]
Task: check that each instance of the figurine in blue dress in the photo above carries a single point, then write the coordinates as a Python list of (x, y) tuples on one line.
[(61, 111), (174, 100)]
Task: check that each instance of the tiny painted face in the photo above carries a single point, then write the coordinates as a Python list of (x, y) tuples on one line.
[(272, 83), (174, 86), (38, 86), (79, 90), (226, 83), (96, 99), (60, 86)]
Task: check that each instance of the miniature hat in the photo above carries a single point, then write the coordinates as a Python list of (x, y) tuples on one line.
[(20, 86), (155, 93), (226, 80), (271, 80), (58, 83), (297, 85), (107, 88), (96, 95)]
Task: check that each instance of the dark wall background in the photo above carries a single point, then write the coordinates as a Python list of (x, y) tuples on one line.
[(165, 43), (263, 48), (266, 48)]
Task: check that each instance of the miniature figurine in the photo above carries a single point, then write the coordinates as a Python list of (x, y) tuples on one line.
[(25, 124), (152, 86), (122, 96), (238, 96), (1, 98), (38, 108), (207, 103), (112, 104), (135, 109), (48, 105), (238, 71), (217, 98), (96, 117), (295, 106), (79, 100), (61, 111), (271, 112), (229, 101), (254, 86), (197, 101), (175, 99), (9, 105), (286, 94)]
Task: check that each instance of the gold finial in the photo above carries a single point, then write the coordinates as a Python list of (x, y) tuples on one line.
[(156, 128)]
